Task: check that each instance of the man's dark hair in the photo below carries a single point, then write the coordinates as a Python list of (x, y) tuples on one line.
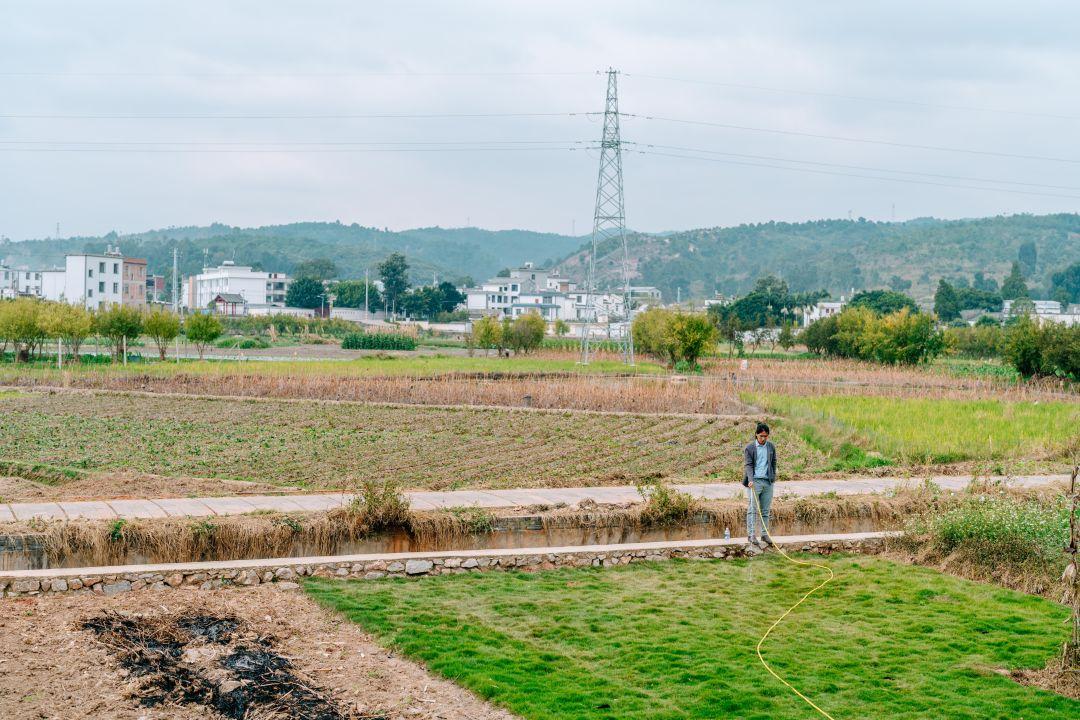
[(761, 428)]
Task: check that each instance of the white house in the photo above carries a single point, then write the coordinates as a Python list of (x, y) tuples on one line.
[(1048, 311), (7, 282), (823, 310), (94, 280), (254, 286)]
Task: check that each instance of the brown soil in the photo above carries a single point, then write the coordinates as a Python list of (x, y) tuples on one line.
[(120, 485), (51, 668)]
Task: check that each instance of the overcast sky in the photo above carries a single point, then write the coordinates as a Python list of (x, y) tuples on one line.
[(998, 78)]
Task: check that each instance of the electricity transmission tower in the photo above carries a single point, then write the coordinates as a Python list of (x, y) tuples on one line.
[(609, 225)]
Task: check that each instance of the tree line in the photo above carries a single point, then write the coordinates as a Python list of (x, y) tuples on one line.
[(314, 285), (27, 325)]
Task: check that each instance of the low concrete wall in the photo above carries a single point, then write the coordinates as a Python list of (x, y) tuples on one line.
[(207, 575)]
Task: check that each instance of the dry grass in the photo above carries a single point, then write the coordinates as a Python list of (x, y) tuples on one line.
[(264, 535), (850, 377), (566, 391)]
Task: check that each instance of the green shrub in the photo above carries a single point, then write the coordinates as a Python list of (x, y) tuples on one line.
[(243, 343), (999, 530), (378, 341)]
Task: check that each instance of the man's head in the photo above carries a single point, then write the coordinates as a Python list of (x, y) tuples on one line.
[(762, 433)]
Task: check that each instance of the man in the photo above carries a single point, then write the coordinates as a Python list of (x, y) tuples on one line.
[(759, 476)]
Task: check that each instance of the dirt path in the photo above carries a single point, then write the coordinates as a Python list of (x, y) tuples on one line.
[(51, 668)]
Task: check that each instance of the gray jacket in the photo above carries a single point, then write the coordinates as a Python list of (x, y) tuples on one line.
[(750, 456)]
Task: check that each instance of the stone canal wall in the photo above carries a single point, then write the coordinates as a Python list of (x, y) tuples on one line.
[(287, 572)]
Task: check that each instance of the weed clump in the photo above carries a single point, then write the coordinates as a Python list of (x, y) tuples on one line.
[(1015, 541), (664, 506), (380, 505)]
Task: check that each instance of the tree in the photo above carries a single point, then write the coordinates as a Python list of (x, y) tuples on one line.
[(692, 336), (1068, 282), (1027, 256), (19, 326), (561, 327), (305, 292), (650, 331), (1014, 285), (394, 274), (163, 327), (527, 333), (899, 284), (884, 302), (119, 325), (986, 284), (71, 323), (318, 268), (974, 299), (1023, 348), (787, 336), (820, 336), (450, 297), (352, 294), (486, 333), (201, 330), (946, 301)]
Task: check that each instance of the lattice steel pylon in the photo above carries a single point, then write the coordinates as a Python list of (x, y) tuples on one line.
[(609, 223)]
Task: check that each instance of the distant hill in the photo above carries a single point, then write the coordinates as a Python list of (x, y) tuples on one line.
[(837, 255), (452, 253)]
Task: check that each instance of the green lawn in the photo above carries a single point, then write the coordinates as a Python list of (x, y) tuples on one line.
[(939, 431), (676, 640)]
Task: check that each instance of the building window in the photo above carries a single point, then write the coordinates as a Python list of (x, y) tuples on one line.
[(116, 268), (90, 272), (115, 287), (101, 267), (90, 292), (101, 286), (27, 276)]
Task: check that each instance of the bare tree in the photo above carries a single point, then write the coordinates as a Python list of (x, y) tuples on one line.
[(1070, 656)]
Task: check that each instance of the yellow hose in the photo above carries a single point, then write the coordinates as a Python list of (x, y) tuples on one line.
[(832, 576)]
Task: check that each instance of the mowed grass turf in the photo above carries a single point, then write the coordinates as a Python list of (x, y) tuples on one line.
[(913, 430), (676, 640), (330, 445)]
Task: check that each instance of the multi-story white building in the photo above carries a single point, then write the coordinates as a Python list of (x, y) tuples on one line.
[(258, 288), (94, 280), (529, 289)]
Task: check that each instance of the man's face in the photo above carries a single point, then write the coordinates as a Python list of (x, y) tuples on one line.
[(762, 437)]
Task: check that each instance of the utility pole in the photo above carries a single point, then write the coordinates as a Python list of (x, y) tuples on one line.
[(609, 222), (175, 283)]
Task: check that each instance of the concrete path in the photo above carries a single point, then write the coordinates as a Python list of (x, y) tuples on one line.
[(202, 507)]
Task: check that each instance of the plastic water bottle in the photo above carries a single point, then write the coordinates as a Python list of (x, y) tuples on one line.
[(727, 533)]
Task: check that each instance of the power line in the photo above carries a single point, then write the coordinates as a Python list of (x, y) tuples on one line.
[(293, 142), (855, 167), (402, 74), (860, 98), (909, 181), (344, 116), (839, 138), (149, 150)]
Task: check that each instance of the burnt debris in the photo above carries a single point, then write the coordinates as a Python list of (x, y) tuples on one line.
[(212, 661)]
